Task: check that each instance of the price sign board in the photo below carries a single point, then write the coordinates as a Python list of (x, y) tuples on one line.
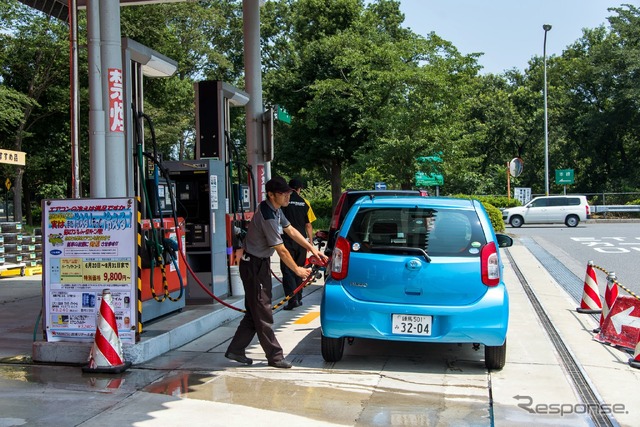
[(88, 245)]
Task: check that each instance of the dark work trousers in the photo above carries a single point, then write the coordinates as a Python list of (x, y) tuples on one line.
[(258, 319), (290, 281)]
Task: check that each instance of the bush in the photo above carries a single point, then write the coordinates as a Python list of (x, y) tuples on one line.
[(495, 215), (321, 207)]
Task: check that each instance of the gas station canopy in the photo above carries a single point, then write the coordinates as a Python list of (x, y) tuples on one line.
[(60, 8)]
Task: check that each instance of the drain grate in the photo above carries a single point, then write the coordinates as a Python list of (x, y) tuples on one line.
[(565, 277), (585, 391)]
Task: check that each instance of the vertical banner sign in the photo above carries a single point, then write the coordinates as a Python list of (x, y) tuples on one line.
[(88, 245), (116, 108), (262, 181)]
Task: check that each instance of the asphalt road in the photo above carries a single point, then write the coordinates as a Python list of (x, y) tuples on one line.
[(612, 246)]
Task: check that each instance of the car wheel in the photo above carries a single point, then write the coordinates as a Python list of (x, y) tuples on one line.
[(572, 221), (516, 221), (332, 348), (495, 356)]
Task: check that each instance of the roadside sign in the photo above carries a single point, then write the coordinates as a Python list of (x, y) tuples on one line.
[(622, 325), (380, 186), (523, 194), (7, 184), (283, 115), (428, 180), (12, 157), (564, 176)]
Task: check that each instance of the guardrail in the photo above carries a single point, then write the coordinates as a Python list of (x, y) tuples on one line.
[(614, 208)]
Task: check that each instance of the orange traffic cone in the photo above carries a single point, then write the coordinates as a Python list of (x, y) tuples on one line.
[(635, 362), (106, 354), (590, 303)]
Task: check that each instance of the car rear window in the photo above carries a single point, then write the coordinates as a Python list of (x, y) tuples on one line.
[(439, 232)]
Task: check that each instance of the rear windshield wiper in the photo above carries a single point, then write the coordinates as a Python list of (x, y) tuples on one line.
[(401, 249)]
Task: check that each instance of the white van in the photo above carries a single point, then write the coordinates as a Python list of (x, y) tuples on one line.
[(569, 210)]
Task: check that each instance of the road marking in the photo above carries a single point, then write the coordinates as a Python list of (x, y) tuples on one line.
[(599, 245), (307, 318)]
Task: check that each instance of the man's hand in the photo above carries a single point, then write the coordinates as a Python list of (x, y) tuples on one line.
[(302, 272), (319, 254)]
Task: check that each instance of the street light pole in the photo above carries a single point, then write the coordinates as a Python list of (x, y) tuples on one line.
[(546, 28)]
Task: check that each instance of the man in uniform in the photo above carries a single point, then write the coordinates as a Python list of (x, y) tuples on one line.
[(297, 212), (262, 239)]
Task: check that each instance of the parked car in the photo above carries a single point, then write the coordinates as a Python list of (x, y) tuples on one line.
[(348, 198), (569, 210), (421, 269)]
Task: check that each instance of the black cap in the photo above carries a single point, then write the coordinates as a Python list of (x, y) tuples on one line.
[(277, 184), (295, 184)]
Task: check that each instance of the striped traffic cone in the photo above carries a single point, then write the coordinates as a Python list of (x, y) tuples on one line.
[(106, 353), (610, 296), (590, 303), (635, 362)]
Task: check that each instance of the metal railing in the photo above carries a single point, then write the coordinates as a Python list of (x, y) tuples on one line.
[(614, 208)]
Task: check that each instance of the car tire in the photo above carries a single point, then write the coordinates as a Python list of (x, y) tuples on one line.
[(332, 348), (516, 221), (572, 221), (495, 356)]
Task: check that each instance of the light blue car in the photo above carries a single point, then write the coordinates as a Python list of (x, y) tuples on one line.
[(421, 269)]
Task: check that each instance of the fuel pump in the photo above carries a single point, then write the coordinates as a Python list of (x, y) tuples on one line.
[(162, 271)]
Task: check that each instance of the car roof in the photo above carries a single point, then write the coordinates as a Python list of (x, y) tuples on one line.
[(559, 195), (432, 202)]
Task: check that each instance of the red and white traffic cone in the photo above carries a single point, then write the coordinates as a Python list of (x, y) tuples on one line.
[(610, 296), (106, 354), (635, 362), (590, 303)]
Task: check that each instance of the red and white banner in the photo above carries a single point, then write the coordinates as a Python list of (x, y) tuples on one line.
[(116, 102)]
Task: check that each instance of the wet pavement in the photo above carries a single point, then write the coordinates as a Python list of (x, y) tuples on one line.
[(376, 384)]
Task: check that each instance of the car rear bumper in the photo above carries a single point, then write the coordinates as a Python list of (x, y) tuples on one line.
[(484, 321)]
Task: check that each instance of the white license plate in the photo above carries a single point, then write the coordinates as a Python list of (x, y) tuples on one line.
[(409, 324)]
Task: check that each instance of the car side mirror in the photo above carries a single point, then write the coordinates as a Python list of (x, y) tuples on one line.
[(504, 241)]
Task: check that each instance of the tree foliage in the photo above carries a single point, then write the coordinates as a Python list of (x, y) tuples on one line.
[(367, 95)]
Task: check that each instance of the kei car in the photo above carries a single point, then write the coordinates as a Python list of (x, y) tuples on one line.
[(421, 269)]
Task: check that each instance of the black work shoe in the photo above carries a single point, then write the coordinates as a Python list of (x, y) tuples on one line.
[(280, 364), (240, 358), (291, 305)]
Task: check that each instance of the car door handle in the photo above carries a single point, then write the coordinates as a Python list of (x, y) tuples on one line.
[(413, 291)]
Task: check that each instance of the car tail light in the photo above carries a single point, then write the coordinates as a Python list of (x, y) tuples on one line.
[(340, 259), (587, 208), (336, 213), (489, 265)]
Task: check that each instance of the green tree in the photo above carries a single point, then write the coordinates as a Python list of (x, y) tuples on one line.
[(35, 63), (599, 105), (353, 80)]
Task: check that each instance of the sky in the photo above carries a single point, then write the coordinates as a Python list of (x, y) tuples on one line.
[(508, 32)]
